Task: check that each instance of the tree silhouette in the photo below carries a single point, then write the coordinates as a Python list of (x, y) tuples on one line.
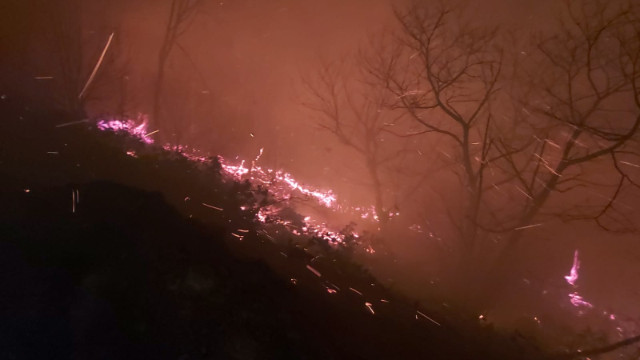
[(180, 18), (527, 146), (443, 74), (356, 112)]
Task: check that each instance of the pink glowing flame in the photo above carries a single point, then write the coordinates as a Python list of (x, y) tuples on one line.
[(135, 128), (277, 180), (575, 298), (280, 184), (573, 274)]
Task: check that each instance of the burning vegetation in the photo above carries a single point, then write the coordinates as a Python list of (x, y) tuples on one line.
[(489, 172)]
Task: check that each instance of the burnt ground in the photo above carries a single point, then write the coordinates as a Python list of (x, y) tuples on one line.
[(104, 255)]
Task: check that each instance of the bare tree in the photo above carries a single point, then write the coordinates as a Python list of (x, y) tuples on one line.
[(579, 114), (443, 73), (181, 15), (584, 112), (356, 113), (72, 65), (58, 34)]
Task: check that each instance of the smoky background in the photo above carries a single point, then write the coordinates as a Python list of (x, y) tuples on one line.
[(234, 85)]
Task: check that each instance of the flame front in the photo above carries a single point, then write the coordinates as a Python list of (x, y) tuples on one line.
[(280, 184), (136, 129)]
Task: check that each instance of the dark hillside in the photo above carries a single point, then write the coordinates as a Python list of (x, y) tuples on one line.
[(95, 267), (126, 275)]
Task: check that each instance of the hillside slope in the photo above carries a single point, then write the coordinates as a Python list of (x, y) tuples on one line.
[(105, 255)]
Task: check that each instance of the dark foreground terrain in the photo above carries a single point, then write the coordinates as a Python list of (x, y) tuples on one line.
[(107, 256)]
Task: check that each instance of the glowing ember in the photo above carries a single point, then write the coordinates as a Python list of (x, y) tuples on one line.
[(186, 152), (579, 301), (261, 216), (279, 182), (137, 129)]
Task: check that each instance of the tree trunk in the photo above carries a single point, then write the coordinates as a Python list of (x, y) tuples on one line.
[(157, 91), (381, 212)]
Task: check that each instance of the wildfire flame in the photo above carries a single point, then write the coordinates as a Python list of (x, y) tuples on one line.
[(136, 129), (575, 298), (283, 187), (280, 184), (573, 274)]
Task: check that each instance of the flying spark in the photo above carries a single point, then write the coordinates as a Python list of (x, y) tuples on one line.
[(355, 291), (370, 307), (629, 164), (213, 207), (528, 226), (428, 318), (314, 271)]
